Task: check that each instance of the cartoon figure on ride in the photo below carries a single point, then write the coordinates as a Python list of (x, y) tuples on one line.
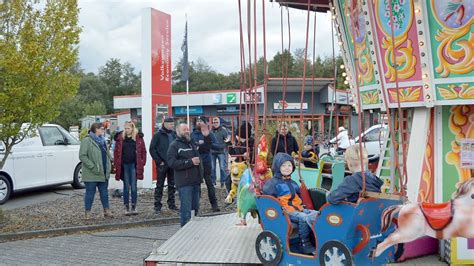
[(262, 172), (236, 172)]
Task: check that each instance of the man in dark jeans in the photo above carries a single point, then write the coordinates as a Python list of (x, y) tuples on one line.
[(205, 141), (183, 158), (220, 155), (158, 150)]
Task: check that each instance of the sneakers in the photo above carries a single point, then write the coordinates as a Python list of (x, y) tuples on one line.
[(108, 213), (127, 210), (308, 248), (134, 210), (158, 212), (173, 208), (215, 208), (87, 215)]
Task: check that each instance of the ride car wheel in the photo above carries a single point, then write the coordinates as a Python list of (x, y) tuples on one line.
[(335, 253), (5, 189), (268, 247), (77, 180)]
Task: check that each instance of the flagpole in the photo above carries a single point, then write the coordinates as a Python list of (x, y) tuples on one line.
[(187, 101), (187, 71)]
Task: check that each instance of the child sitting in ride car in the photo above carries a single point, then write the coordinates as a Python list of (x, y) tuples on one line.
[(351, 186), (310, 152), (288, 193)]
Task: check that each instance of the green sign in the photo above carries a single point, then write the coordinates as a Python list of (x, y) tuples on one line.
[(231, 98)]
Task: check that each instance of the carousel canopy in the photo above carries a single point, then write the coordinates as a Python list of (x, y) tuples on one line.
[(316, 5)]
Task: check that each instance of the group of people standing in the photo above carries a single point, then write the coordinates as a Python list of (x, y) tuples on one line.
[(182, 159), (185, 159)]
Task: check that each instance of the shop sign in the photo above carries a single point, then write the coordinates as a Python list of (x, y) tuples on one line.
[(217, 98), (290, 107), (253, 97), (231, 97), (193, 110)]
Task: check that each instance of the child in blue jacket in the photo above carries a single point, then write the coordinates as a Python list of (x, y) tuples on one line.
[(288, 193), (350, 188)]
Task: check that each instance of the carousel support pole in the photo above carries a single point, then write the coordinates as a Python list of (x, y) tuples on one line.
[(418, 136)]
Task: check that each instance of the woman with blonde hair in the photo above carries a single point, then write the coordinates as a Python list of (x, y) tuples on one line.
[(129, 160)]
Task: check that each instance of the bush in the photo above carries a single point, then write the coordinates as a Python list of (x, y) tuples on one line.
[(84, 132)]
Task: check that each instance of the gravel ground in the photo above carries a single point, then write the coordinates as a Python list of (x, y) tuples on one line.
[(67, 212)]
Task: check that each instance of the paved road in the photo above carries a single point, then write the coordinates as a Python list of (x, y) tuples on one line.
[(24, 199), (124, 247)]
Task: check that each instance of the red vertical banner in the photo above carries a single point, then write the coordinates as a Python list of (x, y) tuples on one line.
[(156, 79), (160, 70)]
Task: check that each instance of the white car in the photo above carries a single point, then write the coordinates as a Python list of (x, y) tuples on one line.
[(49, 158), (374, 139)]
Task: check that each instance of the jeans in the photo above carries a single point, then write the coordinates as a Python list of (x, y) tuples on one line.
[(305, 220), (90, 193), (222, 157), (164, 172), (211, 190), (129, 183), (189, 198)]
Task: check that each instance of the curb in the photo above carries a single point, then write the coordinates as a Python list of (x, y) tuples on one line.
[(6, 237)]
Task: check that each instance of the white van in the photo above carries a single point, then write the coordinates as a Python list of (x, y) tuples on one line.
[(49, 158), (374, 139)]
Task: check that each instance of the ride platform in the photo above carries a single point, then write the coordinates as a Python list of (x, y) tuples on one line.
[(209, 240)]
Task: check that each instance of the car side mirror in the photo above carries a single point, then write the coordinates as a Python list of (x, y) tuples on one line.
[(60, 142)]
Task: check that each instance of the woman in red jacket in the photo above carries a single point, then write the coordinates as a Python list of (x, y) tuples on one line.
[(129, 160)]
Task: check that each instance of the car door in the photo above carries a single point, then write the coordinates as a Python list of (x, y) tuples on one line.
[(58, 158), (72, 148), (372, 141), (29, 163)]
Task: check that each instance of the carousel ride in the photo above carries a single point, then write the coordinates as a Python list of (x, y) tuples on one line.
[(413, 61)]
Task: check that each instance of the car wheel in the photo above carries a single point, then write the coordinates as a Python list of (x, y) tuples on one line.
[(5, 189), (77, 180), (335, 253), (268, 247)]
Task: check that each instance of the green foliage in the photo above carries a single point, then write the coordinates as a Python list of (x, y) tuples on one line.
[(96, 92), (83, 133), (38, 44), (202, 77)]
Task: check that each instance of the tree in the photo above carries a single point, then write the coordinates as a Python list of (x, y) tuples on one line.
[(38, 44), (120, 79), (202, 78), (94, 108), (281, 65)]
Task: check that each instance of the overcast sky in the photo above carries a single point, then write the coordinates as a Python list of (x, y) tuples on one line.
[(112, 29)]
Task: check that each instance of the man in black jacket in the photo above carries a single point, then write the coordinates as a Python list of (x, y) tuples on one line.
[(283, 141), (205, 141), (158, 150), (183, 158)]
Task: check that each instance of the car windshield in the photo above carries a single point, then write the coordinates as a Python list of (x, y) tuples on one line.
[(71, 140)]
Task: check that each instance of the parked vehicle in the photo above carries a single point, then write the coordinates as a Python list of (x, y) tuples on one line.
[(50, 157), (373, 139)]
